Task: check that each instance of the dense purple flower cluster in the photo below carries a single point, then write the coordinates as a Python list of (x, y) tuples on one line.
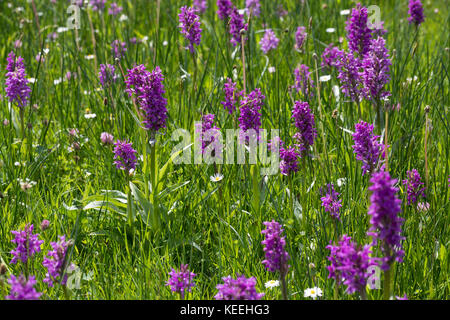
[(250, 116), (274, 248), (331, 56), (17, 89), (148, 90), (106, 138), (303, 81), (269, 41), (114, 9), (240, 288), (330, 201), (414, 186), (118, 49), (28, 244), (237, 23), (304, 122), (97, 5), (209, 134), (415, 12), (22, 289), (231, 96), (107, 75), (55, 261), (385, 222), (289, 160), (366, 147), (124, 156), (376, 66), (190, 26), (181, 281), (225, 8), (200, 5), (358, 32), (350, 263), (300, 37), (350, 76), (254, 7)]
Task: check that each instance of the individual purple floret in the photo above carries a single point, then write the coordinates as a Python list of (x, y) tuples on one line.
[(254, 7), (225, 7), (240, 288), (350, 264), (366, 147), (148, 89), (237, 24), (415, 12), (17, 89), (331, 56), (350, 76), (414, 186), (288, 160), (124, 156), (330, 201), (118, 49), (28, 244), (274, 248), (97, 5), (303, 81), (22, 289), (300, 37), (200, 5), (250, 116), (376, 66), (114, 9), (190, 26), (107, 75), (181, 281), (231, 96), (269, 41), (55, 261), (385, 222), (304, 122), (272, 144), (358, 32)]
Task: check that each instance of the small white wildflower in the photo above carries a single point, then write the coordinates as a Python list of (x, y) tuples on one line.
[(89, 57), (31, 80), (90, 115), (57, 81), (345, 12), (216, 178), (165, 43), (313, 293), (123, 17), (330, 30), (272, 284), (325, 78), (271, 69), (17, 164), (62, 29)]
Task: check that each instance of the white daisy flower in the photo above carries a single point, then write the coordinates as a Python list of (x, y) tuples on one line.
[(330, 30), (31, 80), (345, 12), (216, 178), (313, 293), (89, 57), (325, 78), (90, 115), (272, 284)]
